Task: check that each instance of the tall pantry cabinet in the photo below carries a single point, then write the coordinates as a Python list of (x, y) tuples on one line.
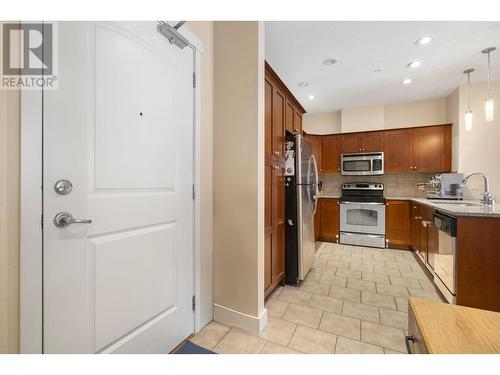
[(282, 113)]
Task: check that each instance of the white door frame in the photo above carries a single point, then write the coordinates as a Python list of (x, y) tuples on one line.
[(31, 209)]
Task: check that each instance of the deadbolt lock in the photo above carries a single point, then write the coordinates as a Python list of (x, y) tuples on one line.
[(63, 187)]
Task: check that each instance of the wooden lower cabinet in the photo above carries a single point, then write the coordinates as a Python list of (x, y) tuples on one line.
[(397, 223), (478, 262), (415, 226), (329, 219), (274, 226), (317, 220)]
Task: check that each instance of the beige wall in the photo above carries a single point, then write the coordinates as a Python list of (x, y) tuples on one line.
[(321, 123), (238, 173), (362, 118), (205, 32), (479, 149), (418, 113), (377, 117), (453, 117), (9, 221)]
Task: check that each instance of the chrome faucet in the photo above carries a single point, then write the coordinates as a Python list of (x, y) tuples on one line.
[(487, 199)]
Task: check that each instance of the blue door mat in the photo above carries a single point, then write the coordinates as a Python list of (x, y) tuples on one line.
[(189, 348)]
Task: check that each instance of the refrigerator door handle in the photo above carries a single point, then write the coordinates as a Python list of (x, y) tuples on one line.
[(316, 189)]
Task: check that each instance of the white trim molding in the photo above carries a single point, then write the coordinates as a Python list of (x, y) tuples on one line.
[(31, 237), (231, 317)]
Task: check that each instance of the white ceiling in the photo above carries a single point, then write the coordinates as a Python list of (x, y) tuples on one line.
[(296, 51)]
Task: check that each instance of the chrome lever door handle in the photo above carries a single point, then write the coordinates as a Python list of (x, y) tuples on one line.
[(63, 219)]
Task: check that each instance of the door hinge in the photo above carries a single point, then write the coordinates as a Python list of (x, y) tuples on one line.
[(41, 221), (194, 303), (194, 79), (194, 192)]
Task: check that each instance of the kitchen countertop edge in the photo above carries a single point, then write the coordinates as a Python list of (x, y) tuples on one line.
[(476, 211)]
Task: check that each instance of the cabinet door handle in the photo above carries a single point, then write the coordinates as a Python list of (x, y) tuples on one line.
[(276, 152), (407, 342), (276, 167)]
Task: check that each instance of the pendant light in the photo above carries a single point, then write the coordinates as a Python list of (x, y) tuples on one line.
[(468, 112), (489, 105)]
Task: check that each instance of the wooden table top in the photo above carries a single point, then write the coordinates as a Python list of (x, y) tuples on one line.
[(449, 329)]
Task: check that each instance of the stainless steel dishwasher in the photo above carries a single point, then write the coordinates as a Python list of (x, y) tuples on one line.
[(443, 260)]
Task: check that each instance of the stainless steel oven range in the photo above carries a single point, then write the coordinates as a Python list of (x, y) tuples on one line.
[(362, 214)]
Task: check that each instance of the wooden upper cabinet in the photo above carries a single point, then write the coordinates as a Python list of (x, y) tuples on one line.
[(297, 124), (289, 116), (268, 146), (420, 149), (397, 222), (398, 147), (432, 147), (279, 103), (330, 154), (315, 141), (373, 142), (362, 142), (351, 143)]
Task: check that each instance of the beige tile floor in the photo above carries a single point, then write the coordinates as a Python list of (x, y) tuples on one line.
[(354, 300)]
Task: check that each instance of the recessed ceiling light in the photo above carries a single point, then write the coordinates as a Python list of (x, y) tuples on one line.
[(311, 97), (330, 61), (406, 81), (414, 64), (304, 84), (424, 40)]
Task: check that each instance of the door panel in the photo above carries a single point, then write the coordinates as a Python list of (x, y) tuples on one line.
[(415, 227), (398, 222), (268, 94), (330, 154), (330, 219), (362, 218), (398, 151), (373, 142), (317, 220), (351, 143), (289, 117), (315, 141), (120, 128), (297, 123), (279, 102), (429, 145), (268, 183), (268, 261)]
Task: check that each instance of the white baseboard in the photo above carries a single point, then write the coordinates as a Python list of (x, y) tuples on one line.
[(234, 318)]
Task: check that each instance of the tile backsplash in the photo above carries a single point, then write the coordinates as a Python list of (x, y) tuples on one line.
[(395, 184)]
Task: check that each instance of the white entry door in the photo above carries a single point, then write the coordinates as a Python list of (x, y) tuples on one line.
[(120, 129)]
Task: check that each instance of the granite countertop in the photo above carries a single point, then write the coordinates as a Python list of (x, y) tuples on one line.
[(451, 207)]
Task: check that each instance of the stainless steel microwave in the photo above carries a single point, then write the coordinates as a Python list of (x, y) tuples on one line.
[(362, 164)]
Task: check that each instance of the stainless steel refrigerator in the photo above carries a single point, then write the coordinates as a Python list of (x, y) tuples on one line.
[(301, 185)]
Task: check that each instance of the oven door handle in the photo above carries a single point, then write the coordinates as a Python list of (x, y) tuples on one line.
[(370, 203)]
